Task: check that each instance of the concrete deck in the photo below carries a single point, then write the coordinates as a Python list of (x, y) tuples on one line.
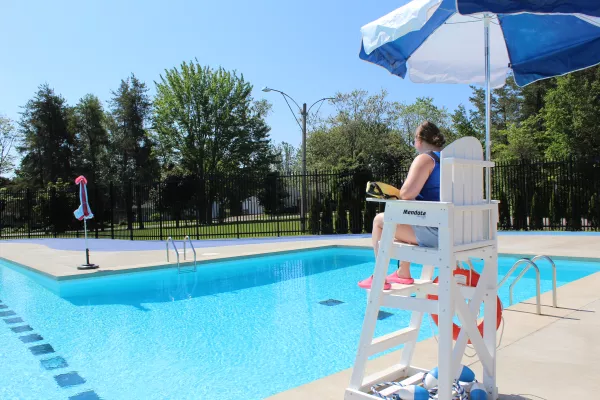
[(61, 263), (547, 357)]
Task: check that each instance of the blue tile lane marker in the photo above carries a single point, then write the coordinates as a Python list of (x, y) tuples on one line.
[(331, 302), (13, 320), (54, 363), (69, 379), (41, 349), (383, 315), (7, 314), (34, 337), (89, 395), (21, 329)]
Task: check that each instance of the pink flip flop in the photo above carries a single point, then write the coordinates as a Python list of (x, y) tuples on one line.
[(366, 284), (393, 278)]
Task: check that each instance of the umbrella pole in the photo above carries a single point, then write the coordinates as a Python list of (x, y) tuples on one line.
[(488, 105), (87, 264), (87, 249)]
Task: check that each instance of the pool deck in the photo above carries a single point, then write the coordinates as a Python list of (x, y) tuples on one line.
[(59, 258), (542, 357), (547, 357)]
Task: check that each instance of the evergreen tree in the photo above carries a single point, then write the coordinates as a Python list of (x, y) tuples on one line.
[(314, 218), (91, 139), (356, 217), (537, 212), (555, 214), (341, 216), (594, 211), (327, 217), (370, 213), (47, 142), (134, 161), (504, 212), (574, 211)]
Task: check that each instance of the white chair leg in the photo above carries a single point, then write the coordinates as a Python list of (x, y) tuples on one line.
[(489, 329), (446, 297), (373, 305), (415, 322)]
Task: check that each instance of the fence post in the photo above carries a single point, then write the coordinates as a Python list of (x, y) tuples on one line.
[(130, 209), (160, 208), (112, 210), (101, 213), (28, 203), (52, 205)]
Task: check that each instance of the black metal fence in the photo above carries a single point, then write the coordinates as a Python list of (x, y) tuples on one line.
[(534, 195)]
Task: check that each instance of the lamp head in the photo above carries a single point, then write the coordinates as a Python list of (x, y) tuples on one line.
[(266, 89)]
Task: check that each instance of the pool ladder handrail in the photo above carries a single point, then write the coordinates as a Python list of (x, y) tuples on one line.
[(540, 257), (184, 241), (531, 263)]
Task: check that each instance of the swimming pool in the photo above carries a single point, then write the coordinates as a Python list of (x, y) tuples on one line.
[(246, 328)]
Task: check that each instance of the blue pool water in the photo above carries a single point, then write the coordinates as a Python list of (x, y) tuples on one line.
[(238, 329)]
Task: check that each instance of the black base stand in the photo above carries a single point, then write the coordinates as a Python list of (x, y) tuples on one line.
[(87, 264)]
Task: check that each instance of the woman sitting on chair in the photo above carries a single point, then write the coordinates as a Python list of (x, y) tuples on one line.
[(422, 183)]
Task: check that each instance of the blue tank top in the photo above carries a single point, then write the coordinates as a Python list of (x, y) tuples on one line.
[(431, 189)]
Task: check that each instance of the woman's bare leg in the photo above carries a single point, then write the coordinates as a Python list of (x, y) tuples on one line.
[(404, 234)]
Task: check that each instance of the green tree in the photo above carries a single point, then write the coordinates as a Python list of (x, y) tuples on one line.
[(407, 117), (314, 216), (272, 196), (537, 212), (8, 139), (575, 210), (521, 141), (47, 143), (208, 123), (370, 213), (363, 132), (463, 125), (91, 138), (594, 211), (504, 212), (327, 217), (288, 158), (341, 216), (506, 109), (133, 160), (555, 214), (572, 115)]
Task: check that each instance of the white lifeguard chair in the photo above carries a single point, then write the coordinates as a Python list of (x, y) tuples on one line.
[(467, 226)]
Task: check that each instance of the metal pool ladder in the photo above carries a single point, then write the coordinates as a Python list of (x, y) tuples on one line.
[(531, 263), (185, 241)]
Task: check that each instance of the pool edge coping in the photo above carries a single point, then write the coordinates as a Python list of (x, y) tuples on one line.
[(156, 267)]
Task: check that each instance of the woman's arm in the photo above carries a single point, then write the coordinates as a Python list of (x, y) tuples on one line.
[(418, 173)]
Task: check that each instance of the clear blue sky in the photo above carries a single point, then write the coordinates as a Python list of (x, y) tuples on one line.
[(308, 49)]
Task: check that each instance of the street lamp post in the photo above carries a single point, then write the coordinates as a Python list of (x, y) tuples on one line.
[(304, 113)]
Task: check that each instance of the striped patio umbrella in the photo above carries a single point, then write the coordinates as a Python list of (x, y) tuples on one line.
[(482, 41), (83, 213)]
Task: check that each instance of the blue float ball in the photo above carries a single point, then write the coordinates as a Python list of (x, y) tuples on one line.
[(466, 375), (478, 392), (413, 392), (431, 378)]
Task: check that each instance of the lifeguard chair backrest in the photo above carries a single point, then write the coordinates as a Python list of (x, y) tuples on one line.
[(462, 185)]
